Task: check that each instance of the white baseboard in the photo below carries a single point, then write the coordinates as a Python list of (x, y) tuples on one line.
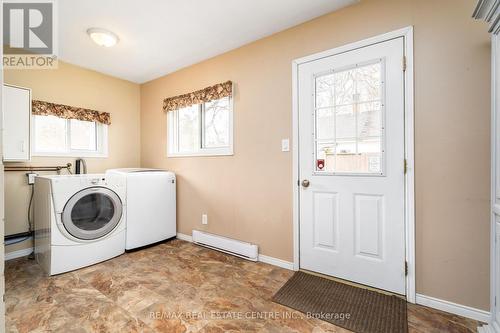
[(262, 258), (458, 309), (276, 262), (185, 237), (18, 254)]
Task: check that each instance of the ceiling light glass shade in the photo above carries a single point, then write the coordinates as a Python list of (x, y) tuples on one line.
[(102, 37)]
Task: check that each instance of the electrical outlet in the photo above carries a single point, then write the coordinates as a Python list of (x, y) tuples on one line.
[(31, 177), (204, 219)]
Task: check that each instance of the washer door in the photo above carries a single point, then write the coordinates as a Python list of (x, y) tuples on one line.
[(92, 213)]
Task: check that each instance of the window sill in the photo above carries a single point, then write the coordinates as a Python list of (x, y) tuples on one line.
[(72, 154), (202, 154)]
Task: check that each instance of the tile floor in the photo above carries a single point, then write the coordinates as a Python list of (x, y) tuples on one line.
[(172, 287)]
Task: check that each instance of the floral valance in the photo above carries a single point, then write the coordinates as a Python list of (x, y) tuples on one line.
[(41, 108), (208, 94)]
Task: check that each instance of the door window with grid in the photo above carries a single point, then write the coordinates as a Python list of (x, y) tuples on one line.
[(349, 120)]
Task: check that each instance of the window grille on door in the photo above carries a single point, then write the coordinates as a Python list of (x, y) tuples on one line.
[(349, 120)]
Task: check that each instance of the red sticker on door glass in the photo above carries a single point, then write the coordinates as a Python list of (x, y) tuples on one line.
[(320, 164)]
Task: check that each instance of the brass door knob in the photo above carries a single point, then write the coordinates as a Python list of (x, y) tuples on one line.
[(305, 183)]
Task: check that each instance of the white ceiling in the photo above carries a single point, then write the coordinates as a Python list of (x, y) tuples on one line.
[(158, 37)]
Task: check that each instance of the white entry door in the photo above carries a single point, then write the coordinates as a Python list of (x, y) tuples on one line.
[(351, 155)]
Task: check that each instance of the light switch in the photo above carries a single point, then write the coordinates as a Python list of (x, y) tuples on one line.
[(285, 145)]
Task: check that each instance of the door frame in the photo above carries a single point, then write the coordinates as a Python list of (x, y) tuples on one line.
[(407, 34), (494, 321), (2, 189)]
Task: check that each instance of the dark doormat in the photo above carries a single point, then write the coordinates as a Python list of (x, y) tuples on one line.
[(356, 309)]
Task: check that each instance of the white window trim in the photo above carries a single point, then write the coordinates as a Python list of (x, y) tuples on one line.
[(172, 138), (101, 141)]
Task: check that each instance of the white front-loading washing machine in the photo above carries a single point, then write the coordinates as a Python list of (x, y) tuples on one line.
[(79, 221)]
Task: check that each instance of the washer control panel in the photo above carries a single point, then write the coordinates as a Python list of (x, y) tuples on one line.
[(94, 181)]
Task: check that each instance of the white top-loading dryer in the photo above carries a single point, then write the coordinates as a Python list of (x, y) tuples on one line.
[(150, 204)]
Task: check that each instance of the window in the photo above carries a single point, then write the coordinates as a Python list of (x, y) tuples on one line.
[(349, 131), (201, 129), (55, 136)]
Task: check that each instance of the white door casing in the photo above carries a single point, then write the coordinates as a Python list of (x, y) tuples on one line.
[(487, 10), (494, 323), (352, 222), (2, 193)]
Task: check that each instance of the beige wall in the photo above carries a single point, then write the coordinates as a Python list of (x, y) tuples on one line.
[(76, 86), (248, 196)]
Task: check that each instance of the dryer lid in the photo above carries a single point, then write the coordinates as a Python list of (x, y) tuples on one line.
[(134, 170)]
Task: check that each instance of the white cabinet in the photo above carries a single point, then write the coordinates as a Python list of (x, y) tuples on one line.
[(16, 123)]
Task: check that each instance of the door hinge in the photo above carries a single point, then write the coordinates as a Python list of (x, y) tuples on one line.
[(404, 63), (405, 166), (406, 268)]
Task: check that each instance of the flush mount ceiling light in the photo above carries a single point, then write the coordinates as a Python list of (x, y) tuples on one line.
[(102, 37)]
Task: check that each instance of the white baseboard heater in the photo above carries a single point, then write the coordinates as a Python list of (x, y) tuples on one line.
[(231, 246)]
